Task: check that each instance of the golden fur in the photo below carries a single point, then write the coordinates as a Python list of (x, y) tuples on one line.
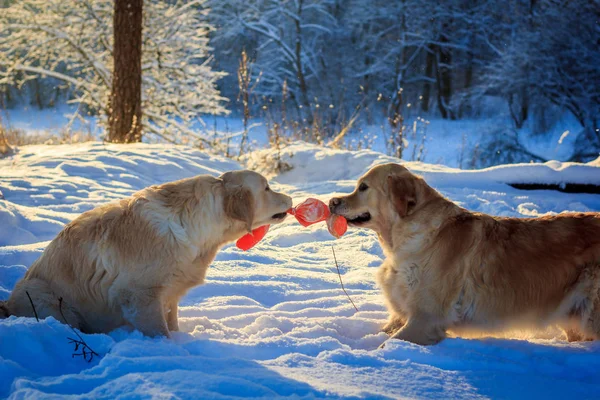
[(129, 262), (449, 268)]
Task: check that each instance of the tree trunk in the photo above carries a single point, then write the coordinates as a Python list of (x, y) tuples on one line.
[(125, 120), (395, 108), (38, 94), (465, 108), (444, 76), (366, 87), (429, 59), (301, 79), (395, 117)]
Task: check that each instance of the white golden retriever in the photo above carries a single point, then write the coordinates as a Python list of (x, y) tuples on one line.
[(449, 268), (129, 263)]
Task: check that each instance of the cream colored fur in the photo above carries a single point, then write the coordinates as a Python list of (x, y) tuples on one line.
[(449, 268), (130, 262)]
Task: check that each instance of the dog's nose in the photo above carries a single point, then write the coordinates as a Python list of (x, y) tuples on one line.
[(334, 202)]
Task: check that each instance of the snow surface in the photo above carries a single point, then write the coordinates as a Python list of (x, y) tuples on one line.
[(273, 321)]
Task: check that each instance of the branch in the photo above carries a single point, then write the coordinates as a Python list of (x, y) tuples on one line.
[(41, 71), (86, 351), (100, 69), (32, 306), (340, 276), (184, 129)]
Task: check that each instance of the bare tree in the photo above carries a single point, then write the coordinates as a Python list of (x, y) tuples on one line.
[(244, 78)]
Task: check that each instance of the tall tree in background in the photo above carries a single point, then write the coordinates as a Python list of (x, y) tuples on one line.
[(69, 45), (125, 119), (290, 35)]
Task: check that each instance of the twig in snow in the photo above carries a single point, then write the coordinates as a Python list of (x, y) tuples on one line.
[(32, 306), (340, 276), (86, 351)]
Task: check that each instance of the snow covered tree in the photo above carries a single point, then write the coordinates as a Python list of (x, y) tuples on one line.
[(286, 35), (550, 54), (72, 42), (320, 62)]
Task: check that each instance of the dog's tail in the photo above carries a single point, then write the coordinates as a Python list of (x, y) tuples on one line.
[(4, 313)]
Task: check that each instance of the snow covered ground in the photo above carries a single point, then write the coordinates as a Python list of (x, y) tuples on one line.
[(273, 321)]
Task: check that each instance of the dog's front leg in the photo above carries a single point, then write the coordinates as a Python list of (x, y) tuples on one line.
[(173, 315), (420, 329), (144, 310), (394, 323)]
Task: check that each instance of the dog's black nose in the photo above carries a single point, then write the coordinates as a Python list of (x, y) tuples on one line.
[(334, 202)]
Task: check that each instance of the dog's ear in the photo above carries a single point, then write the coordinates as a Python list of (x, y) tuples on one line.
[(402, 194), (238, 203)]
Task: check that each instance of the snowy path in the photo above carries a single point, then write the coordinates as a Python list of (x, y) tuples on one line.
[(271, 322)]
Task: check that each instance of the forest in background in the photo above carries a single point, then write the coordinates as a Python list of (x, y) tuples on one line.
[(316, 69)]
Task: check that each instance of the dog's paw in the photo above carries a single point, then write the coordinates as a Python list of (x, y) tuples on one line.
[(388, 330), (392, 327)]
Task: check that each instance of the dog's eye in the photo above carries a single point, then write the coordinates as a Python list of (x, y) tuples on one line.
[(363, 186), (268, 188)]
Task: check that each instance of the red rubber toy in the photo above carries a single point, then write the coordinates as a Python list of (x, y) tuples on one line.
[(309, 212), (248, 241)]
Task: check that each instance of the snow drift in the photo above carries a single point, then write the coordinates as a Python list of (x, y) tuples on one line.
[(273, 321)]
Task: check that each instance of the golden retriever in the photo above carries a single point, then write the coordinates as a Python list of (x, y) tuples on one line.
[(129, 262), (449, 268)]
